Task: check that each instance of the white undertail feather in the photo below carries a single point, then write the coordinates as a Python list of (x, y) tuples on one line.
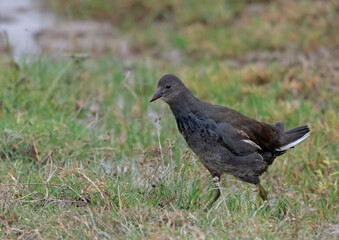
[(292, 144)]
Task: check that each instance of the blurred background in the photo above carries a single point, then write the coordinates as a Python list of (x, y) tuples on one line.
[(175, 31), (83, 153), (265, 39)]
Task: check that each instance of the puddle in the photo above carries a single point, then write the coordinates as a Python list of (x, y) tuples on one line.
[(21, 20), (31, 31)]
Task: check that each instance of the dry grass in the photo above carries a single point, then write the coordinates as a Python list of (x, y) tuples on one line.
[(80, 162), (79, 145)]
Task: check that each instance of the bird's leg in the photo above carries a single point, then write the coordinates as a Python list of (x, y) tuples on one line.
[(216, 193), (262, 192)]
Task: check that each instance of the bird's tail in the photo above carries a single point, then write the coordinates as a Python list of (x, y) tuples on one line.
[(292, 137)]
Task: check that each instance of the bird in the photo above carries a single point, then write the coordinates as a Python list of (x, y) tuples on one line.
[(226, 141)]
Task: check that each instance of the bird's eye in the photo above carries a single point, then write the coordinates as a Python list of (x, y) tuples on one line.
[(168, 86)]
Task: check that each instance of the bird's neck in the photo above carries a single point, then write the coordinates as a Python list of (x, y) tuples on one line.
[(184, 104)]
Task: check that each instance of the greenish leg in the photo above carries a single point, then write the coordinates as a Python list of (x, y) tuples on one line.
[(262, 192)]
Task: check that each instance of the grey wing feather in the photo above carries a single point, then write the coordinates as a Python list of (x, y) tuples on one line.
[(249, 163), (236, 140), (244, 160)]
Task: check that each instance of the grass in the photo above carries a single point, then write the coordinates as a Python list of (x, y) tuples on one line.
[(80, 147)]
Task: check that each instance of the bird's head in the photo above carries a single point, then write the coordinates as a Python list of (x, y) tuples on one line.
[(169, 88)]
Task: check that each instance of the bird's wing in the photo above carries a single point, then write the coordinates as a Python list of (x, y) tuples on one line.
[(246, 154), (264, 135), (236, 141), (244, 158)]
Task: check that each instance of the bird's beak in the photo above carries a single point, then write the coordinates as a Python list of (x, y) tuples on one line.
[(156, 95)]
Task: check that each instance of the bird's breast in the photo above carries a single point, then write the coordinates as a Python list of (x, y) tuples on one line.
[(200, 134), (202, 137)]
